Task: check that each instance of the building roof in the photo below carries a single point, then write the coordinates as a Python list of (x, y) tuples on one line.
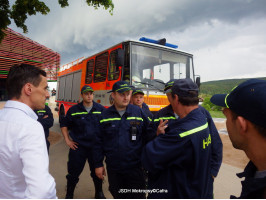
[(16, 48)]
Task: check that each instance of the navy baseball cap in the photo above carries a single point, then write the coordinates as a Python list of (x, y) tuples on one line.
[(169, 85), (121, 86), (86, 88), (136, 91), (247, 100), (184, 87)]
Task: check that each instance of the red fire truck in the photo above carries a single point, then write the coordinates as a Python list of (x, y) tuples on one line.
[(147, 64)]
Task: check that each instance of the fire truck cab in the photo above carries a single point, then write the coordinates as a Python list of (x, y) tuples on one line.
[(146, 64)]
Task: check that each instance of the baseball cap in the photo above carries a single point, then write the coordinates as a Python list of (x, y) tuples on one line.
[(136, 91), (247, 100), (168, 85), (121, 86), (184, 87), (86, 88)]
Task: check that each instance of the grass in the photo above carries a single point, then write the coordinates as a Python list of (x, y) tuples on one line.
[(217, 114)]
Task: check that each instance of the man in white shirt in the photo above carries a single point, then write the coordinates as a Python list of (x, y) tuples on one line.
[(23, 154)]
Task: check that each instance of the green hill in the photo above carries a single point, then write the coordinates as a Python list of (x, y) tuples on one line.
[(221, 86)]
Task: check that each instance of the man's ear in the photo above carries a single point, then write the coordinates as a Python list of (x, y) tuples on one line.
[(243, 124), (176, 98), (112, 95), (27, 89)]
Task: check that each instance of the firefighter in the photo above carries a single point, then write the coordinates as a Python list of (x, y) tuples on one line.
[(168, 114), (45, 117), (123, 132), (179, 160), (245, 110), (82, 120), (138, 100)]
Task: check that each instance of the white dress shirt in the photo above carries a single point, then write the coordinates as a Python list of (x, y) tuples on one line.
[(23, 155)]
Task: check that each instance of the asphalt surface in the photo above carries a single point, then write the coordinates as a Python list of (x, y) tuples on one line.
[(226, 183), (58, 168)]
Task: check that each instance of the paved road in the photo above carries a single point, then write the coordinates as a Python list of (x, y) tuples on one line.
[(225, 184), (219, 120), (58, 168)]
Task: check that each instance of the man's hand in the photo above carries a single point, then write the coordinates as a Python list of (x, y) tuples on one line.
[(100, 172), (69, 142), (73, 145), (45, 116), (162, 126)]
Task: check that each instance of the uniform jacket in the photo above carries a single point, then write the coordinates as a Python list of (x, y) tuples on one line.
[(165, 113), (179, 161), (83, 126), (252, 188), (45, 122), (217, 145), (147, 111), (114, 140)]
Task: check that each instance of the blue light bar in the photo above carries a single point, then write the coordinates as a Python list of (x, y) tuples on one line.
[(144, 39)]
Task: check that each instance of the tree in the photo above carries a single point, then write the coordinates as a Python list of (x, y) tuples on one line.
[(21, 9)]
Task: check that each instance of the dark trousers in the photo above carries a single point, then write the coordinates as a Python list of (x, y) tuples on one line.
[(129, 184), (76, 162)]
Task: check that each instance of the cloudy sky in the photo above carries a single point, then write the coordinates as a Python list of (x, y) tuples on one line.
[(226, 37)]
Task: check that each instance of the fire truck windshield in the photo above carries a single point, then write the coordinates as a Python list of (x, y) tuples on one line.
[(152, 67)]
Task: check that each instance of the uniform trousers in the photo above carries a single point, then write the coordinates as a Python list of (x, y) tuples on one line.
[(127, 184), (76, 162)]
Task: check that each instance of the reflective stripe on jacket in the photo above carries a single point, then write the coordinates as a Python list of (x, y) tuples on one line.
[(115, 139), (179, 161), (83, 126), (45, 122), (167, 113)]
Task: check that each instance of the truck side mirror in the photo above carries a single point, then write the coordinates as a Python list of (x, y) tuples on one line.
[(120, 58), (198, 81)]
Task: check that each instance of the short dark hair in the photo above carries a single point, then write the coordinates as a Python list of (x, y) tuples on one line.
[(234, 115), (21, 74), (260, 129), (188, 101)]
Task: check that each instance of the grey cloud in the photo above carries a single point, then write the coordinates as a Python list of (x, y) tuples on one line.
[(133, 18), (196, 25)]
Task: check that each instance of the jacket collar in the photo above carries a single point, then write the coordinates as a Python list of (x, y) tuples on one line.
[(169, 109), (249, 170), (251, 184), (22, 107), (81, 106), (129, 109)]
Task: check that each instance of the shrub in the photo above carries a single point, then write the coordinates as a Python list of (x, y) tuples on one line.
[(208, 105)]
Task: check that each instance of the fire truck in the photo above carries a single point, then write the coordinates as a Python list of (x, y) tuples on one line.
[(147, 64)]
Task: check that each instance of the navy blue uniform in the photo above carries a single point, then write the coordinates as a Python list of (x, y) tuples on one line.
[(252, 188), (83, 127), (179, 161), (165, 113), (47, 122), (122, 149), (217, 145), (147, 111)]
